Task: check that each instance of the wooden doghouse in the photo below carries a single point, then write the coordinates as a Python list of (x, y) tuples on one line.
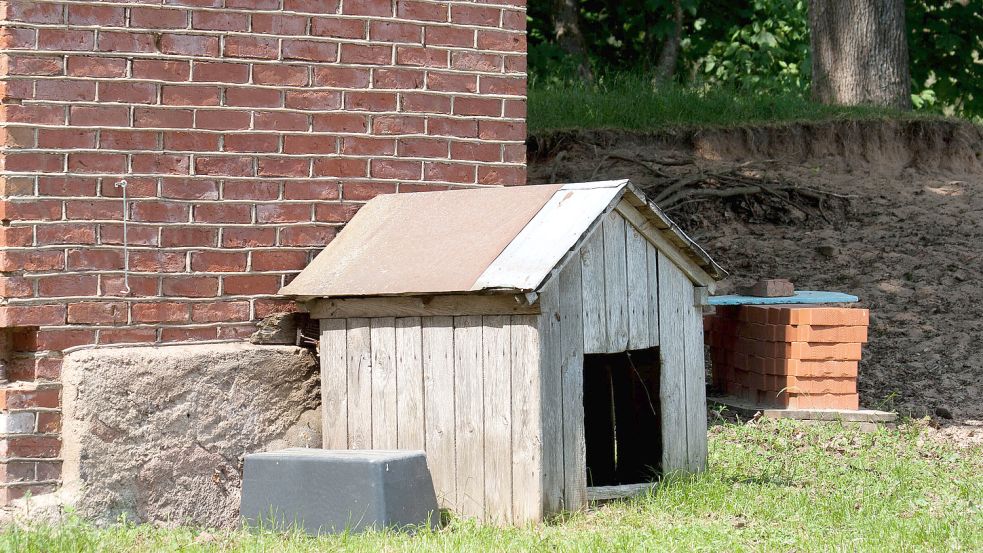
[(535, 341)]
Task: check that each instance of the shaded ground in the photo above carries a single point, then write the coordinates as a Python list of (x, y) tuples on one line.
[(906, 236)]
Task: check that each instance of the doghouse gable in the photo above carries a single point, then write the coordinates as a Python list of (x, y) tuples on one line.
[(458, 323)]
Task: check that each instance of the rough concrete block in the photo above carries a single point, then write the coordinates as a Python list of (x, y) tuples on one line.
[(330, 491)]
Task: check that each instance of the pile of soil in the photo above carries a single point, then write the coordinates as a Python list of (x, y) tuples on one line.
[(890, 211)]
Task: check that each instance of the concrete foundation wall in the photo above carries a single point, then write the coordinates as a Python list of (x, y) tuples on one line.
[(159, 434)]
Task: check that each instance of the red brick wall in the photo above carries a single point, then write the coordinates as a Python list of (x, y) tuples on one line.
[(248, 131)]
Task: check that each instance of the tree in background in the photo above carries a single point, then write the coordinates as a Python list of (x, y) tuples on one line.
[(566, 29), (860, 52)]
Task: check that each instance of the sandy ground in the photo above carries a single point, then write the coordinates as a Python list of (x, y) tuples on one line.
[(907, 238)]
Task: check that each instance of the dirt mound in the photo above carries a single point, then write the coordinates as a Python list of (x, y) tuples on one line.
[(891, 211)]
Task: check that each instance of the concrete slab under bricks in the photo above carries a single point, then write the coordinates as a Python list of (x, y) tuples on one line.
[(749, 409)]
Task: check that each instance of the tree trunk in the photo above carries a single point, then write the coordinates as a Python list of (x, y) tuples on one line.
[(566, 28), (666, 67), (860, 52)]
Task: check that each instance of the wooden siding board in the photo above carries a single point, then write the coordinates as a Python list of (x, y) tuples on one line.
[(652, 259), (497, 367), (438, 380), (675, 293), (334, 384), (410, 423), (551, 397), (470, 455), (615, 283), (384, 405), (696, 413), (638, 296), (527, 450), (421, 306), (572, 375), (592, 271), (359, 365)]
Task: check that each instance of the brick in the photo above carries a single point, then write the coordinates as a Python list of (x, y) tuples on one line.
[(223, 213), (157, 261), (279, 24), (366, 54), (97, 313), (278, 260), (16, 287), (501, 41), (354, 145), (33, 12), (391, 31), (83, 66), (113, 285), (459, 128), (281, 75), (313, 99), (370, 101), (283, 213), (252, 143), (162, 211), (251, 47), (449, 172), (475, 15), (32, 260), (131, 93), (501, 130), (487, 107), (249, 237), (154, 18), (220, 21), (235, 166), (450, 36), (30, 447), (395, 169), (65, 234), (112, 234), (825, 401), (127, 335), (344, 77), (309, 50), (363, 192), (177, 237), (267, 307), (34, 315), (220, 312), (476, 151), (452, 82), (422, 57), (113, 41), (34, 162), (49, 423), (424, 103), (248, 285), (283, 167), (94, 210), (513, 20), (190, 95), (315, 189), (189, 45), (309, 144), (218, 261), (250, 190), (187, 334), (422, 147), (190, 286), (367, 7), (476, 61), (127, 140), (64, 39), (221, 72), (278, 121), (33, 65), (222, 120), (161, 164), (341, 122), (398, 124), (253, 97), (161, 312), (189, 189), (422, 11), (92, 259), (163, 118), (311, 6), (191, 141), (503, 85), (163, 70), (338, 28)]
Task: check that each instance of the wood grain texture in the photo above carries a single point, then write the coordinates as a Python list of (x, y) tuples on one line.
[(359, 364), (652, 256), (615, 282), (572, 375), (675, 294), (468, 402), (384, 405), (551, 397), (527, 449), (421, 306), (497, 365), (595, 313), (438, 383), (696, 400), (411, 422), (638, 296), (334, 383)]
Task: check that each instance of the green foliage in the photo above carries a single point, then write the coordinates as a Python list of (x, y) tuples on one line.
[(945, 45), (761, 46), (769, 486)]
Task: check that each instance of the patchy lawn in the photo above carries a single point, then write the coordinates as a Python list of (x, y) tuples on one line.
[(772, 486)]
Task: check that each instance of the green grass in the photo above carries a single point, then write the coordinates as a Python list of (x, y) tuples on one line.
[(628, 101), (773, 486)]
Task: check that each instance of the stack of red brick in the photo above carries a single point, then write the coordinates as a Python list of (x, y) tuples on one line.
[(782, 356)]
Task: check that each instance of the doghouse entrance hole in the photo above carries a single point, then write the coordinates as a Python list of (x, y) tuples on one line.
[(621, 417)]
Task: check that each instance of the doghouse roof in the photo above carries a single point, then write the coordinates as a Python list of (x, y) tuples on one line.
[(480, 239)]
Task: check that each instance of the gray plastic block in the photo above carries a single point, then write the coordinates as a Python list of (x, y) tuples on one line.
[(330, 491)]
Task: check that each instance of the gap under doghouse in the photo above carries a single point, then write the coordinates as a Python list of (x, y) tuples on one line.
[(621, 421)]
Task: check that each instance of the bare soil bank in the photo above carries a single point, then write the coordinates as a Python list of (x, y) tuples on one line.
[(891, 211)]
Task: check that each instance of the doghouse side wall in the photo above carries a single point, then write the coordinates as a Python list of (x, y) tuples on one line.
[(620, 293), (465, 389)]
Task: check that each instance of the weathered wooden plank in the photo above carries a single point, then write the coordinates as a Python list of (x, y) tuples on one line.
[(654, 235), (696, 400), (438, 384), (572, 374), (615, 282), (469, 446), (592, 270), (359, 363), (526, 262), (421, 306), (527, 449), (623, 491), (638, 298), (652, 258), (497, 366), (411, 430), (675, 294), (384, 404), (551, 397), (334, 384)]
